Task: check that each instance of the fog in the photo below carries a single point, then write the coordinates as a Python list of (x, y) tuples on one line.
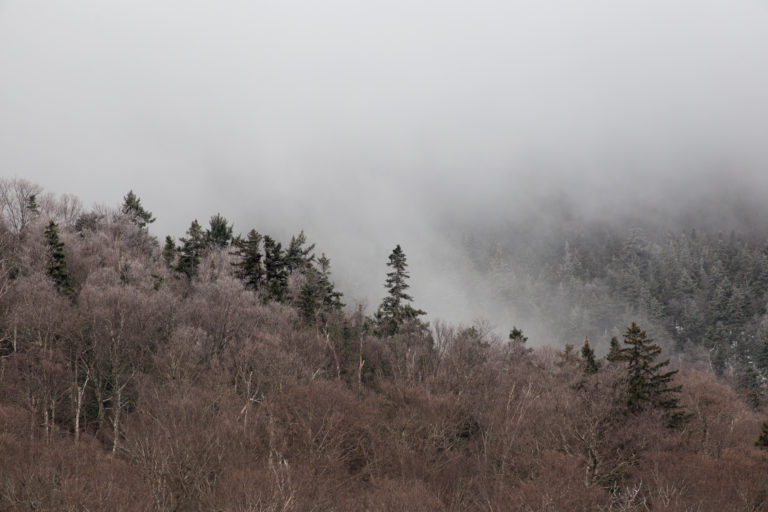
[(369, 124)]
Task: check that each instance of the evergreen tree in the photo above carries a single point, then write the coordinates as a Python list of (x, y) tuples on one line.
[(318, 297), (275, 270), (169, 251), (87, 222), (133, 209), (613, 349), (394, 310), (516, 335), (762, 440), (590, 364), (191, 249), (249, 268), (57, 267), (297, 256), (32, 205), (219, 234), (647, 384), (331, 296)]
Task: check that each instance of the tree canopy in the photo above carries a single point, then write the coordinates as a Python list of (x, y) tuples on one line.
[(135, 211), (395, 310)]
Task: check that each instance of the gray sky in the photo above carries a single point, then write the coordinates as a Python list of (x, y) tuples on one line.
[(368, 123)]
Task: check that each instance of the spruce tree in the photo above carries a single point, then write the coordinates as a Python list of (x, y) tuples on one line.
[(648, 385), (133, 209), (57, 267), (249, 268), (516, 335), (331, 297), (298, 256), (318, 297), (589, 363), (394, 309), (275, 270), (169, 251), (219, 234), (191, 249)]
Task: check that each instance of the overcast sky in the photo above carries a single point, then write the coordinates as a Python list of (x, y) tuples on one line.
[(369, 122)]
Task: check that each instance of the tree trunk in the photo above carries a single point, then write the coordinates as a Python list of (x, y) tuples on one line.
[(79, 395), (116, 407)]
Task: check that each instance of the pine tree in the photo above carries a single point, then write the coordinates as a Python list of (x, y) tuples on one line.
[(219, 234), (318, 296), (331, 296), (394, 310), (57, 267), (613, 349), (249, 268), (648, 386), (275, 270), (191, 249), (517, 335), (169, 251), (590, 364), (133, 209), (298, 256)]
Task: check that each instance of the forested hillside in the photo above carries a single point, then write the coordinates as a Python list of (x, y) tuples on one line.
[(224, 371), (701, 292)]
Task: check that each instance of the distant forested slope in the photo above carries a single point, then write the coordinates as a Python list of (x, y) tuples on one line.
[(700, 290)]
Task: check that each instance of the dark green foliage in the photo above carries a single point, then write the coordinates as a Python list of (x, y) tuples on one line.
[(394, 310), (219, 234), (133, 209), (249, 268), (57, 267), (87, 222), (32, 205), (275, 270), (613, 350), (331, 296), (698, 288), (589, 363), (169, 251), (318, 297), (191, 249), (297, 255), (762, 440), (648, 385), (516, 335)]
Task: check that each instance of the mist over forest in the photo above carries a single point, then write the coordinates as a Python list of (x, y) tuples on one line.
[(397, 252), (395, 123)]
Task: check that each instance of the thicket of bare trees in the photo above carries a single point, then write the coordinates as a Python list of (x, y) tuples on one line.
[(147, 390)]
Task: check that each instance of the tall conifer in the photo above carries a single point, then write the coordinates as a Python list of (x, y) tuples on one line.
[(133, 209), (219, 234), (394, 309), (648, 385), (275, 270), (191, 249), (57, 267), (249, 268)]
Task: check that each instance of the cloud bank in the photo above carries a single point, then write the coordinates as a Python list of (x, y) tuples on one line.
[(369, 124)]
